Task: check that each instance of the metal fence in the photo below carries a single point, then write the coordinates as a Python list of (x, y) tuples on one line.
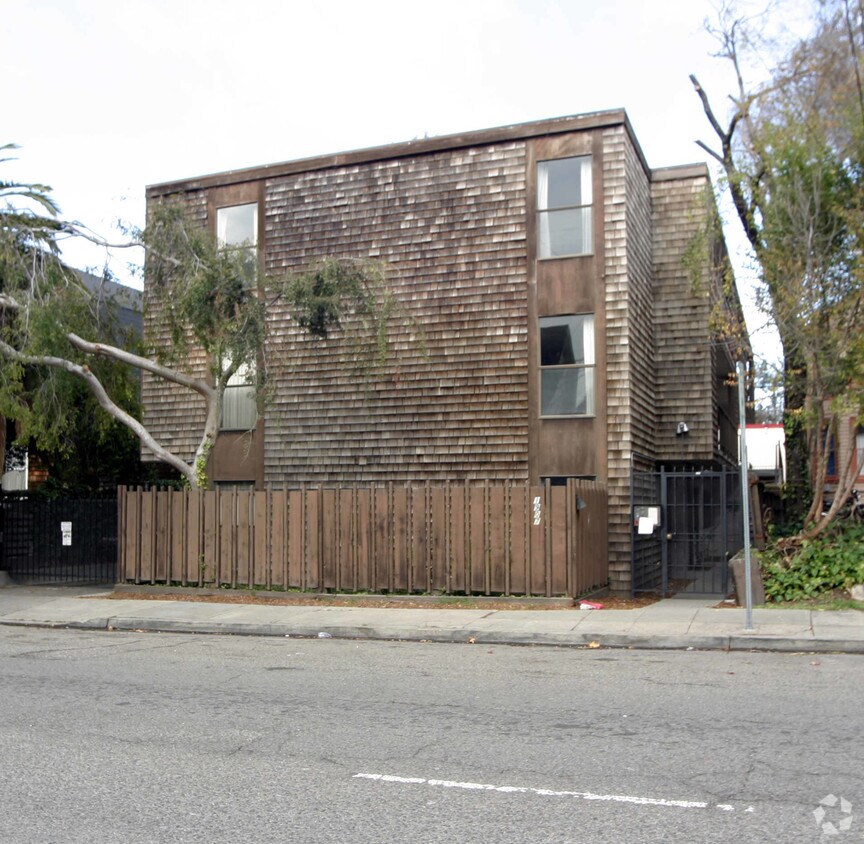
[(471, 538), (698, 531), (58, 541), (646, 549)]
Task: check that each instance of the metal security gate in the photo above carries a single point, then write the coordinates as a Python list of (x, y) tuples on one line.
[(696, 527), (62, 541)]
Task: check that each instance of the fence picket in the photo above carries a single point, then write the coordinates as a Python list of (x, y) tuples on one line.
[(439, 562), (498, 539), (401, 539), (261, 537)]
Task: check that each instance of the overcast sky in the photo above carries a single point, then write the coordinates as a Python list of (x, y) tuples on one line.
[(107, 96)]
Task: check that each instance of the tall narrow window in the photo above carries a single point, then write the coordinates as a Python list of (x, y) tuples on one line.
[(564, 209), (237, 230), (567, 365), (239, 408)]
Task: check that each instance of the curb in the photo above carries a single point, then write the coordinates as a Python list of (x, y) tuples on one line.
[(773, 643), (87, 624), (461, 636)]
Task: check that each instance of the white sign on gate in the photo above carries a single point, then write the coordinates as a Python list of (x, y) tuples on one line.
[(66, 532)]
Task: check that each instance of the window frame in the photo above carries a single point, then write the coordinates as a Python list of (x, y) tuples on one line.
[(242, 244), (242, 380), (247, 247), (545, 212), (588, 364)]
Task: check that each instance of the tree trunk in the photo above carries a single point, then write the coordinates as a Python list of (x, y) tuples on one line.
[(798, 488)]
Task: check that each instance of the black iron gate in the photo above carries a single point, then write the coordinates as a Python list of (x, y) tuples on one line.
[(686, 527), (62, 541)]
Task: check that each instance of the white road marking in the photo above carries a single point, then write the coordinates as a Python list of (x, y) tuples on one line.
[(545, 792)]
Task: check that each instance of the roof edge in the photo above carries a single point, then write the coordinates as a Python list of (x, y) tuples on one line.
[(421, 146), (681, 171)]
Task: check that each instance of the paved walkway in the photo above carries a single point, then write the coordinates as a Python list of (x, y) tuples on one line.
[(673, 623)]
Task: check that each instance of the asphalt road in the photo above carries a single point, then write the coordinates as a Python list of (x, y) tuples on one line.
[(118, 737)]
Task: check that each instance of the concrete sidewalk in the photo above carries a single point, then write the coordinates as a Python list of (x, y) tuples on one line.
[(672, 623)]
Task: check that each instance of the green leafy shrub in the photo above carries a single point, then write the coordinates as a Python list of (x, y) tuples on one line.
[(834, 560)]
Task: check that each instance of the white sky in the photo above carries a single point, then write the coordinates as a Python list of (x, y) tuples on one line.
[(107, 96)]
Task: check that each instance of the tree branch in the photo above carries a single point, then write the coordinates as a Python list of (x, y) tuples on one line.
[(709, 112), (105, 402), (140, 362), (745, 208), (710, 151)]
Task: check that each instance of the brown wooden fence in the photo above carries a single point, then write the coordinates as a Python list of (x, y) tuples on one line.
[(472, 538)]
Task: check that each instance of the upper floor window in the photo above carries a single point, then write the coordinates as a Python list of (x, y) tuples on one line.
[(237, 225), (237, 230), (567, 365), (564, 213)]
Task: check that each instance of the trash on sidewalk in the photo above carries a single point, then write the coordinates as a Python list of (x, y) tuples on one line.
[(590, 605)]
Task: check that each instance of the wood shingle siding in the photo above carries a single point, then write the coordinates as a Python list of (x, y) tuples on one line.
[(454, 221), (682, 311), (173, 415), (450, 229), (619, 432)]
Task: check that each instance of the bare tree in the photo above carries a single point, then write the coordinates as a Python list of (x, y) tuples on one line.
[(792, 151)]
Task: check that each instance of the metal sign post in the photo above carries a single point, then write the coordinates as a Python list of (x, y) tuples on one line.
[(745, 498)]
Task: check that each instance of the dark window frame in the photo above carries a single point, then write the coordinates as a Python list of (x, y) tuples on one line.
[(585, 363), (546, 212)]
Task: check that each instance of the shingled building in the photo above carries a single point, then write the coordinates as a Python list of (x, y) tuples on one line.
[(563, 332)]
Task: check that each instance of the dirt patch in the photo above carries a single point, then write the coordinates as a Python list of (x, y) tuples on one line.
[(400, 602)]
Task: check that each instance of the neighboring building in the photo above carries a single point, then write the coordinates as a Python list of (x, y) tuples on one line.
[(849, 446), (16, 461), (545, 264), (23, 470), (766, 452), (125, 302)]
